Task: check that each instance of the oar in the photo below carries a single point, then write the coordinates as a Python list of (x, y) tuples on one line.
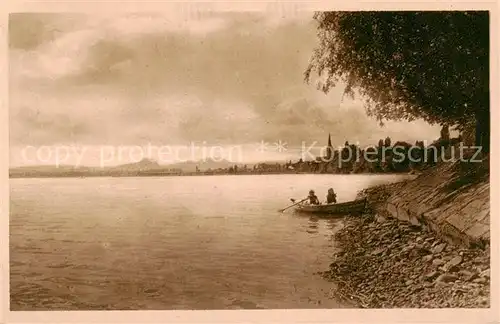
[(282, 210)]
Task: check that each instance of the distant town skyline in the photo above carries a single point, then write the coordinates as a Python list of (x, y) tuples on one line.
[(135, 80)]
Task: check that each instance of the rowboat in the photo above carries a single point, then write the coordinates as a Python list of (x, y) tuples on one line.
[(350, 207)]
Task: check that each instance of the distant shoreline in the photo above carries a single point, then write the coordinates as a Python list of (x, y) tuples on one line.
[(199, 174)]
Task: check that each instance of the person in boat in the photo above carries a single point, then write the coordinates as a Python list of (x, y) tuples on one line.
[(313, 199), (331, 197)]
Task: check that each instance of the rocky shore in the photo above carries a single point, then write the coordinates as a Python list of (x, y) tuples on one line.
[(422, 242), (388, 263)]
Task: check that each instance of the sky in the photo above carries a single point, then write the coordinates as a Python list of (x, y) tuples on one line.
[(216, 79)]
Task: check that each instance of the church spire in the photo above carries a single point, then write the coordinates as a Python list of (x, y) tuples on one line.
[(329, 150)]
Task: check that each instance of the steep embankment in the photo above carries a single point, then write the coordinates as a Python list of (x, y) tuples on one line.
[(424, 243), (451, 199)]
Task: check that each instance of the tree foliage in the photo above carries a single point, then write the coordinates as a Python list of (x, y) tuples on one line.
[(429, 65)]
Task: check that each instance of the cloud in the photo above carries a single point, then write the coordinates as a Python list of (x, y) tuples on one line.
[(221, 77)]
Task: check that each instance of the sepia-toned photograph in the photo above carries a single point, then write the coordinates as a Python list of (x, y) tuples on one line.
[(226, 160)]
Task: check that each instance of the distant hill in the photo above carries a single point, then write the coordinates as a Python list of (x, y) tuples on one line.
[(143, 167), (144, 164)]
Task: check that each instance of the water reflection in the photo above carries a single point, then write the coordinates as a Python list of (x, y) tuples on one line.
[(105, 246)]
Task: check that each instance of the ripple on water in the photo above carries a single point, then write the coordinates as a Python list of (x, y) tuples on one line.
[(99, 244)]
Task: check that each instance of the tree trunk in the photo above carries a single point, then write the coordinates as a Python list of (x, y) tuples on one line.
[(483, 131)]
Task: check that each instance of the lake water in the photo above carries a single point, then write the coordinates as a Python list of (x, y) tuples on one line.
[(214, 242)]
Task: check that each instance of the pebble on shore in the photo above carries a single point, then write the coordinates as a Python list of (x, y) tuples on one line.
[(385, 263)]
